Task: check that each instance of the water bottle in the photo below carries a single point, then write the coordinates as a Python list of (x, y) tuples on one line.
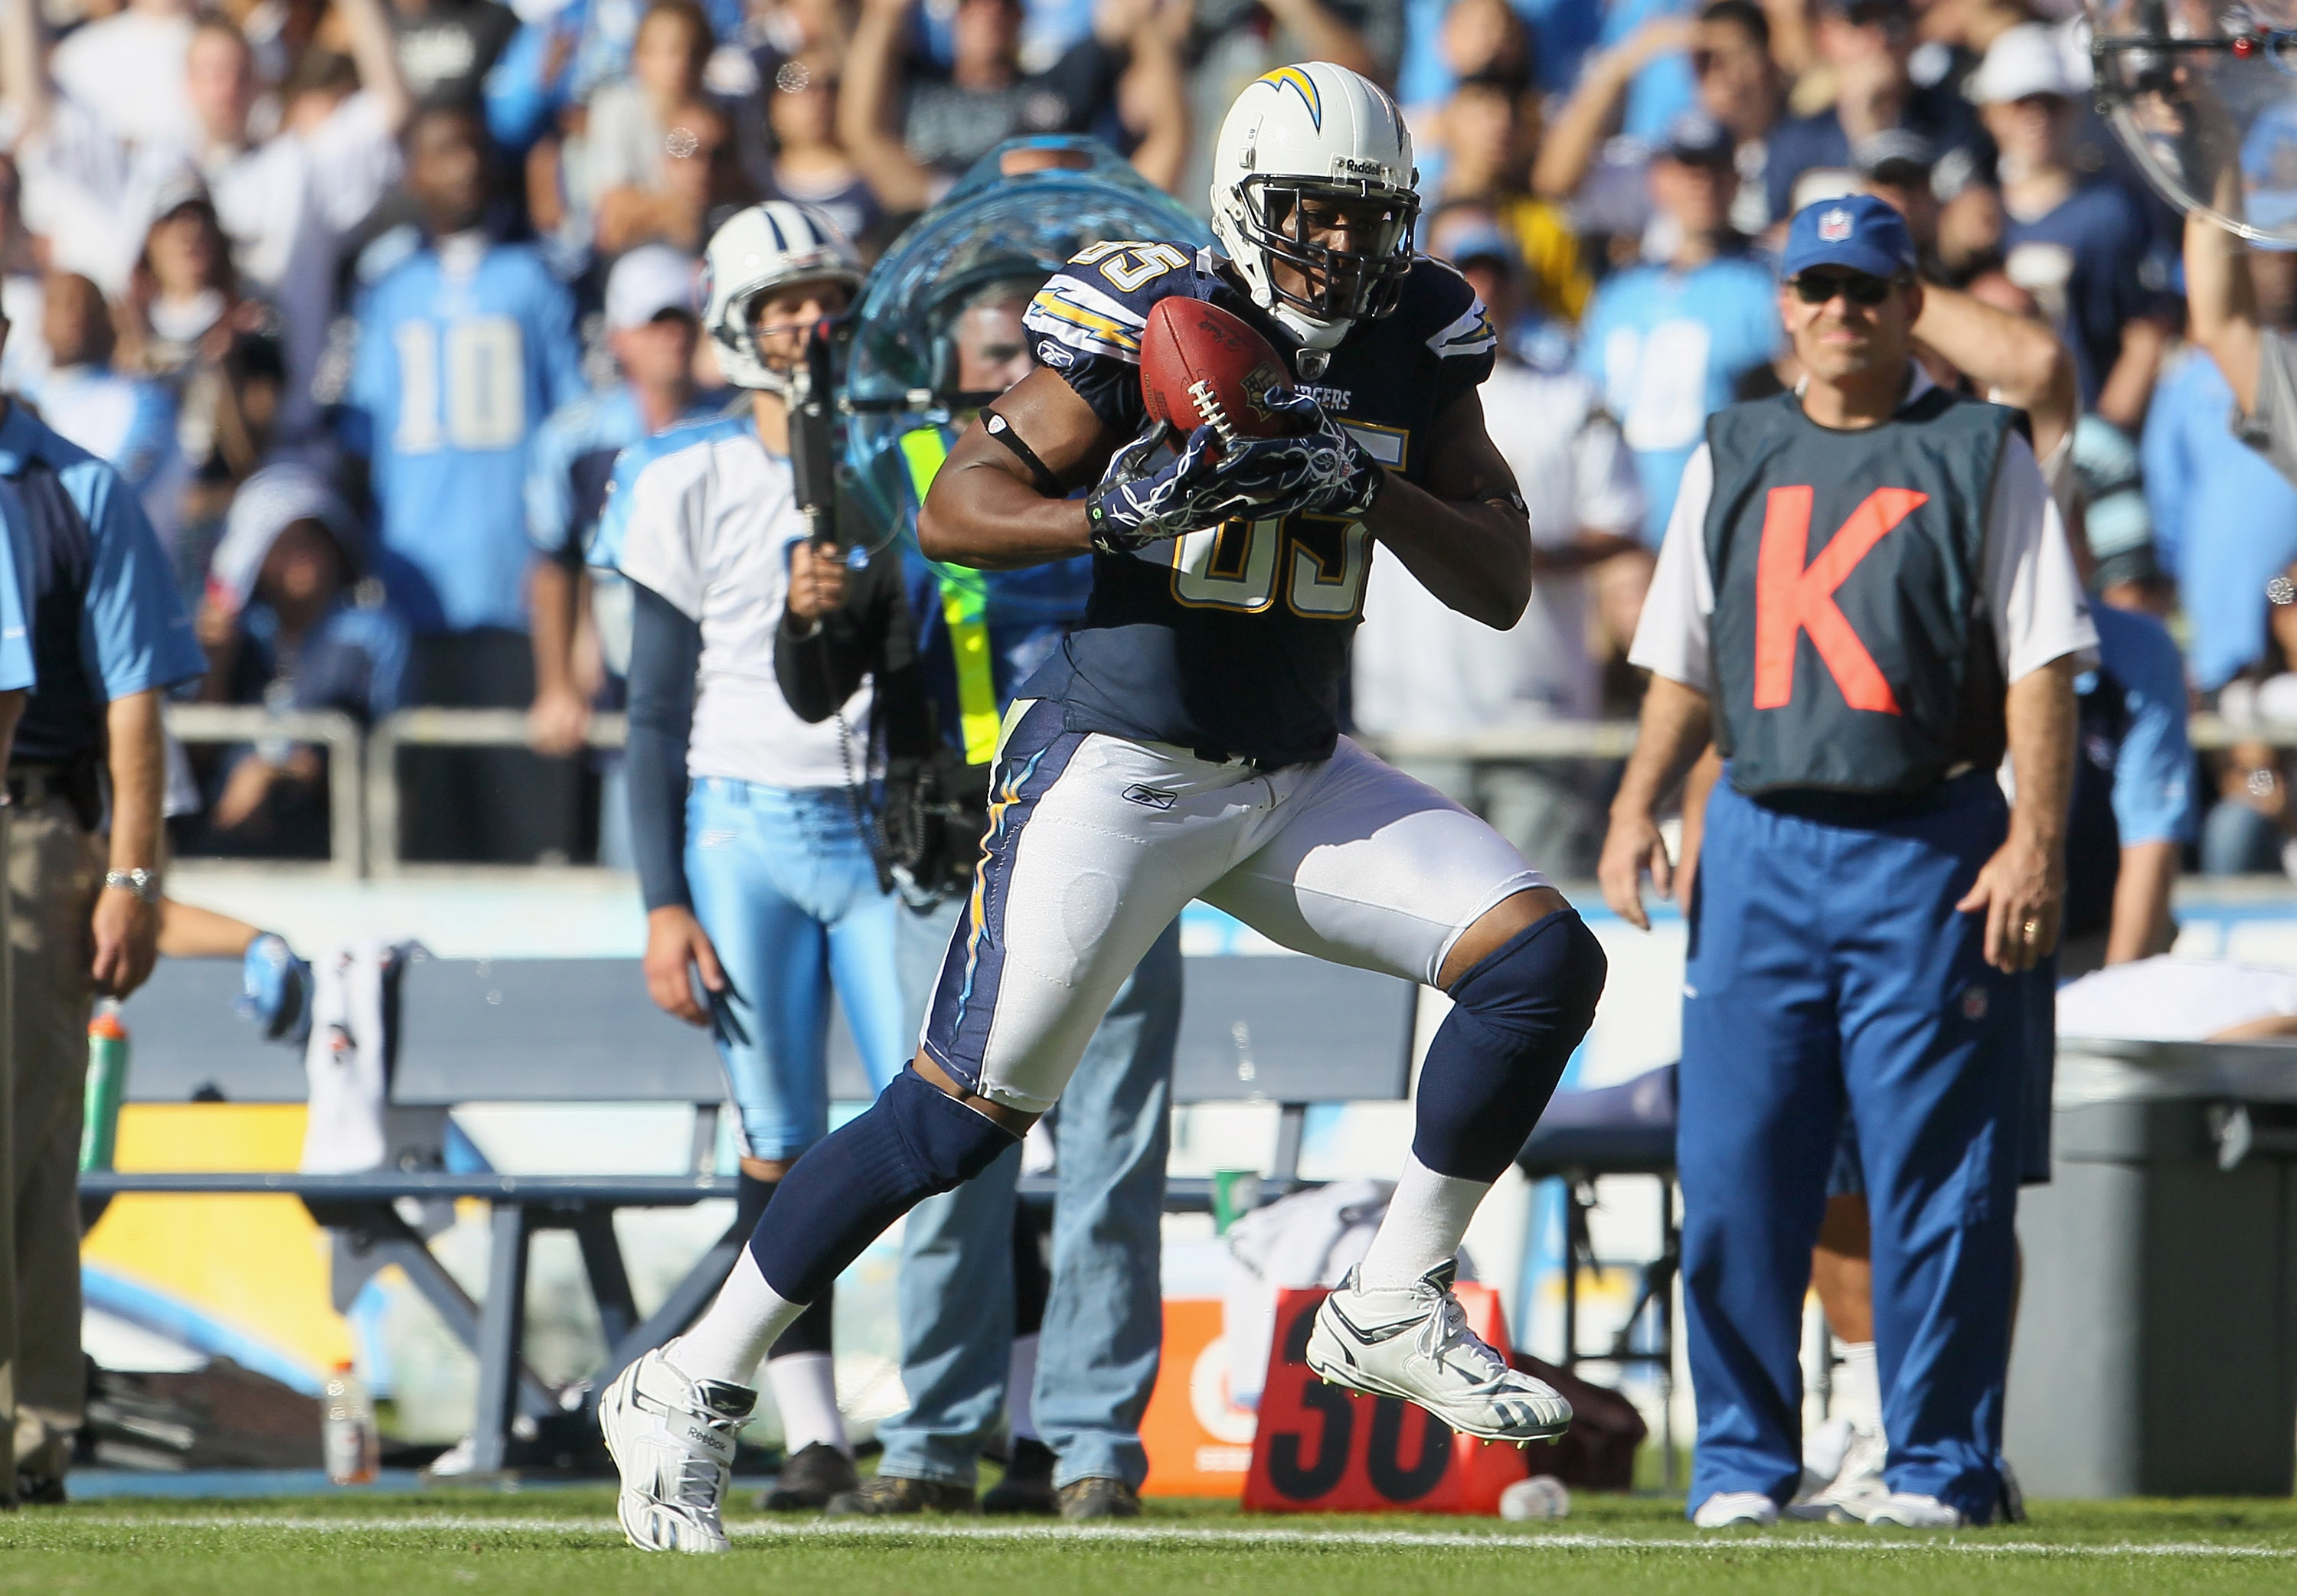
[(348, 1438), (1542, 1496), (107, 1084)]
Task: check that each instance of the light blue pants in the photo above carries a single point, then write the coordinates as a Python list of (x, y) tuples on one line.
[(1104, 1321), (782, 882)]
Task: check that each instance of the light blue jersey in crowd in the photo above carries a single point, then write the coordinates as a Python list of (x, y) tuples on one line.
[(2154, 766), (456, 371), (568, 478), (2225, 522), (1669, 347), (605, 550)]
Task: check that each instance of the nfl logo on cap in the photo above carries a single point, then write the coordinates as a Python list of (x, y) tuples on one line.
[(1834, 226)]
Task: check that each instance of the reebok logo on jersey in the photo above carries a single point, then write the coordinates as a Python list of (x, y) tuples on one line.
[(1150, 797), (1054, 355)]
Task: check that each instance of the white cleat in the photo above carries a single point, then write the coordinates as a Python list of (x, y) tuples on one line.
[(1858, 1483), (1736, 1509), (672, 1438), (1415, 1344), (1906, 1511)]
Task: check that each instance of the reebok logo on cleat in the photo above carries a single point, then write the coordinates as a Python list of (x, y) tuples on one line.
[(1148, 797)]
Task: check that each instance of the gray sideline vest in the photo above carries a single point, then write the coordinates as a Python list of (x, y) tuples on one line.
[(1851, 648)]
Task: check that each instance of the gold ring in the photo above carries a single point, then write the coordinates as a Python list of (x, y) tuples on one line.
[(2033, 929)]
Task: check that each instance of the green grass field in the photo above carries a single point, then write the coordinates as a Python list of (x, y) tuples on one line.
[(564, 1543)]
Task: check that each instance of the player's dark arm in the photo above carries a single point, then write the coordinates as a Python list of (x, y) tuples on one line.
[(988, 510), (665, 649), (1465, 535)]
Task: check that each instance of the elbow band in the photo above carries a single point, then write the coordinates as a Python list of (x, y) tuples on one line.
[(1001, 430)]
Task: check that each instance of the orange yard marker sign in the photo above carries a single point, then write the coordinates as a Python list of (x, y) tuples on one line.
[(1199, 1443)]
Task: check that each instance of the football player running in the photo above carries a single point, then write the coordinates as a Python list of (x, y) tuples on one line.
[(1184, 743)]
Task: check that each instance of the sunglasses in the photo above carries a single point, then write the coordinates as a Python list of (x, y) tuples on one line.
[(1860, 288)]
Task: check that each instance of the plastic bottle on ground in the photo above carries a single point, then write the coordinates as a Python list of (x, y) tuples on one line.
[(348, 1440)]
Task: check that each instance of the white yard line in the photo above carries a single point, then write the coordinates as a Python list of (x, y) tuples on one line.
[(1172, 1535)]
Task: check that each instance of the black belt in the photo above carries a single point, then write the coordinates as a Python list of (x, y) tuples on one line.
[(78, 781)]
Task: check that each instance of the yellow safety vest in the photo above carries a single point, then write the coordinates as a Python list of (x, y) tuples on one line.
[(964, 607)]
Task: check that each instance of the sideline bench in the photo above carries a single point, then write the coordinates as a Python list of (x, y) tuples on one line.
[(1295, 1031)]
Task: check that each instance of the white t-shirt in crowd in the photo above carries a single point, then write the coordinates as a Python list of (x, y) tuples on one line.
[(1421, 667), (283, 203), (2173, 999), (710, 530), (2032, 593), (623, 143), (128, 70)]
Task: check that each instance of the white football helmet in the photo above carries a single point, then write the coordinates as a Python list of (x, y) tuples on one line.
[(759, 249), (1307, 133)]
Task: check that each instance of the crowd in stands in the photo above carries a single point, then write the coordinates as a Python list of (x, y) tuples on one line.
[(361, 296)]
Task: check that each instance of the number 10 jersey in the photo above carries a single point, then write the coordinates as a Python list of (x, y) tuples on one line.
[(1233, 641)]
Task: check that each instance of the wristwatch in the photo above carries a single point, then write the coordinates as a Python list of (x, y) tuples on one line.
[(144, 883)]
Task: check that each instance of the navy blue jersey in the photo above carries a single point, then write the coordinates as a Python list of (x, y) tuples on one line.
[(1234, 639)]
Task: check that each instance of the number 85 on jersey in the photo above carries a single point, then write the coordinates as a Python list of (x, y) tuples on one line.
[(1318, 561)]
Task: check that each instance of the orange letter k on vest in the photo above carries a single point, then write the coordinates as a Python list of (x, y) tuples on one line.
[(1792, 598)]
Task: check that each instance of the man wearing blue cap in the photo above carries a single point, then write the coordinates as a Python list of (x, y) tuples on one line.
[(1864, 597)]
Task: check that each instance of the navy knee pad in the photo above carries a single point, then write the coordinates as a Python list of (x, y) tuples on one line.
[(1516, 1018), (914, 1141)]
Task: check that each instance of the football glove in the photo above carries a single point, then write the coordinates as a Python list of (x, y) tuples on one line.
[(1321, 470), (1133, 507)]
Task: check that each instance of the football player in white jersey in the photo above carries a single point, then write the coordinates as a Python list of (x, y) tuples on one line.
[(1184, 742), (747, 821)]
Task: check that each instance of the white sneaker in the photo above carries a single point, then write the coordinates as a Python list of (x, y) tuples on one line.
[(1415, 1344), (1736, 1509), (1857, 1484), (1907, 1510), (672, 1438)]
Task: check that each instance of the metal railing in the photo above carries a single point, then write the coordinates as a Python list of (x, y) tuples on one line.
[(228, 723), (443, 729), (363, 799)]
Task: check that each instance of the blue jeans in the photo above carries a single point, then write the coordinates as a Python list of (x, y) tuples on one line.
[(1104, 1322), (782, 882), (2238, 840)]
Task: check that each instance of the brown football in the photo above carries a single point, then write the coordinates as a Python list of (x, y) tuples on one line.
[(1200, 364)]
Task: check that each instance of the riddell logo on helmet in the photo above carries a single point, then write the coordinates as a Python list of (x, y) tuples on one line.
[(1348, 166)]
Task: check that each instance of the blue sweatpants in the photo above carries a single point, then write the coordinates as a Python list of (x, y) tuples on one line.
[(1828, 965)]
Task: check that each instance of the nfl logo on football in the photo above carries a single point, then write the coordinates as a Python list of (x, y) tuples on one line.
[(1835, 226)]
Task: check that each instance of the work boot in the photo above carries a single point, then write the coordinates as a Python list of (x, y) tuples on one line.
[(890, 1495)]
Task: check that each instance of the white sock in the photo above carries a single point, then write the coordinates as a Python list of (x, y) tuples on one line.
[(806, 1391), (1857, 1394), (1422, 1228), (1021, 1388), (729, 1339)]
